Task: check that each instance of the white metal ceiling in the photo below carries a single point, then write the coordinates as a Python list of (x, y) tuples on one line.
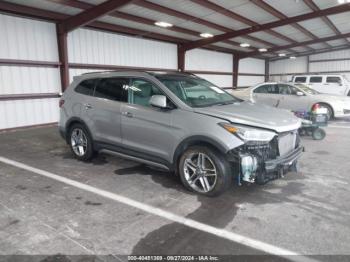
[(244, 8)]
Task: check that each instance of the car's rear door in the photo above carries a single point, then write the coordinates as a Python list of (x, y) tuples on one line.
[(146, 129), (104, 110)]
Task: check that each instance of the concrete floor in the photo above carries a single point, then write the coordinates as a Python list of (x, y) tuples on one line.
[(308, 212)]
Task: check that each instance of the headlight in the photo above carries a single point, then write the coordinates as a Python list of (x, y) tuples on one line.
[(248, 133)]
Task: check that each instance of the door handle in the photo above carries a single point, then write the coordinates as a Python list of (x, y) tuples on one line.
[(88, 106), (127, 114)]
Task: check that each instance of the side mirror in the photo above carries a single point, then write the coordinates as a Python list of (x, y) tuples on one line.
[(158, 101), (300, 93)]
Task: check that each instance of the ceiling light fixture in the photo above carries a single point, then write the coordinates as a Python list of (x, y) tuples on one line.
[(341, 1), (245, 45), (292, 57), (163, 24), (206, 35), (281, 54), (262, 49)]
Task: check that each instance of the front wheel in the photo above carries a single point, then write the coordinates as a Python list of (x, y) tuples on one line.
[(80, 142), (205, 171), (318, 134)]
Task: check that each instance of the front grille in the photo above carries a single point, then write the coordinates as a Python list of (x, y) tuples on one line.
[(346, 111), (264, 151), (286, 142)]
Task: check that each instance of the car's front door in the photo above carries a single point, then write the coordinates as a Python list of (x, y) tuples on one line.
[(289, 99), (266, 94), (146, 129)]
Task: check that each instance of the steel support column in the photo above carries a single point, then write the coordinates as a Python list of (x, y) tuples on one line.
[(63, 57), (180, 58), (267, 69), (235, 71)]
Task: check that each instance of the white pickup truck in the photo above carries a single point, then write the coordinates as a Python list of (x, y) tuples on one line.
[(328, 84)]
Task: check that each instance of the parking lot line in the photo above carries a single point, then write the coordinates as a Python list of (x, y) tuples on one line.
[(335, 126), (236, 238)]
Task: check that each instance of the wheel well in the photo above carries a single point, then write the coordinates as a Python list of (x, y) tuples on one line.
[(193, 142), (73, 122)]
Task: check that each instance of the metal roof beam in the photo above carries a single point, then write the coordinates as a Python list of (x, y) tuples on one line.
[(319, 51), (273, 11), (324, 12), (237, 17), (91, 15), (319, 40), (325, 19)]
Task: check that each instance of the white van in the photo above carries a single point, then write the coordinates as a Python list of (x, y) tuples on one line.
[(328, 84)]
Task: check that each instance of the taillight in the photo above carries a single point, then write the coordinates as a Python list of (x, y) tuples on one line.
[(315, 107), (61, 102)]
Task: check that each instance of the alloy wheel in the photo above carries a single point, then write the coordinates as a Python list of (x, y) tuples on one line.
[(200, 172), (79, 142)]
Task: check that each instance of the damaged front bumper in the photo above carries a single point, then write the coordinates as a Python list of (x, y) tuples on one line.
[(260, 163), (283, 161)]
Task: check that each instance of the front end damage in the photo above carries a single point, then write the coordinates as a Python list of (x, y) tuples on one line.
[(259, 162)]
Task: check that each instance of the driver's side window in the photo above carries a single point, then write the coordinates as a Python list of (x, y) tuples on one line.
[(287, 89), (140, 92)]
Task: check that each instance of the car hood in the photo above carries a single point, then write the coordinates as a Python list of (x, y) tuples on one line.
[(257, 115)]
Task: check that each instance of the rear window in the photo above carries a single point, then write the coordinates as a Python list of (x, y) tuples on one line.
[(316, 79), (86, 87), (112, 89), (300, 79), (333, 79)]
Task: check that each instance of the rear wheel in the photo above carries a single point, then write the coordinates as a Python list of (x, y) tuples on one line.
[(80, 142), (205, 171), (330, 114)]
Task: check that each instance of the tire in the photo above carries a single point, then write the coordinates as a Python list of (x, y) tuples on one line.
[(318, 134), (80, 142), (330, 114), (202, 181), (349, 93)]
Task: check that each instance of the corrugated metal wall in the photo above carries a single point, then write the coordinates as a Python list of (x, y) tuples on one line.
[(96, 47), (251, 66), (331, 66), (287, 67), (317, 64), (26, 39), (205, 60)]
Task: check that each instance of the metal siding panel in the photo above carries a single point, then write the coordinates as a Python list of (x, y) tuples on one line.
[(199, 59), (249, 80), (96, 47), (219, 80), (251, 65), (331, 66), (27, 39), (27, 80), (286, 66), (332, 55), (28, 112)]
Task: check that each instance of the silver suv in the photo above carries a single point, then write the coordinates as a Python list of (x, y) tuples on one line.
[(181, 123)]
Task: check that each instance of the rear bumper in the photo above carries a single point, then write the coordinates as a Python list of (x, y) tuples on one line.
[(283, 161)]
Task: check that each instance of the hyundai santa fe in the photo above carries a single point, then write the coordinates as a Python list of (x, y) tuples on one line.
[(181, 123)]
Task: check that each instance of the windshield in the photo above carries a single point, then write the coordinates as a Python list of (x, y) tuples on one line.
[(307, 89), (196, 92)]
